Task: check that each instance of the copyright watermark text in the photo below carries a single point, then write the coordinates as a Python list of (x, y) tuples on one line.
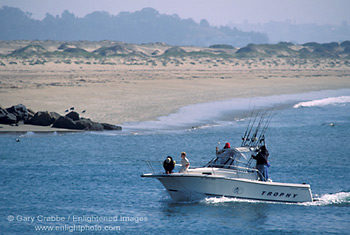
[(77, 223)]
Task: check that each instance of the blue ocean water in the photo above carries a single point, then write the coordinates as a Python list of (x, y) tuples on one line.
[(90, 182)]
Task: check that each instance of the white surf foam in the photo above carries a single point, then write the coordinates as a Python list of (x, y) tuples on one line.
[(324, 102)]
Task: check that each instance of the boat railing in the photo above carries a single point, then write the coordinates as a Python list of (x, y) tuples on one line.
[(151, 163), (234, 167), (157, 166)]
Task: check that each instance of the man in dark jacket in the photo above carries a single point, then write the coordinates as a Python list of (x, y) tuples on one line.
[(262, 162), (169, 165)]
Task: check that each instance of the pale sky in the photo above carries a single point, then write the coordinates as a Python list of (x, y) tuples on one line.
[(217, 12)]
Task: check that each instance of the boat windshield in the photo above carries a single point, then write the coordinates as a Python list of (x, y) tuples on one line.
[(231, 158)]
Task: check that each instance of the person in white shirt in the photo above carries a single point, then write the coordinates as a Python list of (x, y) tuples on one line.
[(184, 163)]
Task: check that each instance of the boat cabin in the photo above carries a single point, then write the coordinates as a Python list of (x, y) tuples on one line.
[(233, 158)]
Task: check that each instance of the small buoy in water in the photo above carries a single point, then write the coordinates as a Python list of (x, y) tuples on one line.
[(331, 124), (17, 140)]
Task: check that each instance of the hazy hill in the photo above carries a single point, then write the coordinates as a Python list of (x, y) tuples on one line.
[(144, 26)]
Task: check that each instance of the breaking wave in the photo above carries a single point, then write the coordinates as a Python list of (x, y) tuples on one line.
[(324, 102)]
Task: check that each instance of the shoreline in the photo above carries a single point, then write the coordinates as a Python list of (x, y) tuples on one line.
[(127, 95), (25, 128), (319, 94)]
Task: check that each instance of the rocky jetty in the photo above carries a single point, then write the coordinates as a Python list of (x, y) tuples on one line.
[(19, 114), (15, 114)]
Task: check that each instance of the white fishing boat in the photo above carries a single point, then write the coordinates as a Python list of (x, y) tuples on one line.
[(232, 173)]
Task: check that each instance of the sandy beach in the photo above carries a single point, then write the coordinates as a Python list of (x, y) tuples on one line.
[(120, 92)]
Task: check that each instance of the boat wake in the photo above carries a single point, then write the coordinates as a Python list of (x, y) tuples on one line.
[(339, 199), (220, 200)]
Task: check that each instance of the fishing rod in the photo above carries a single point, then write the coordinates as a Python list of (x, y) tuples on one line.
[(244, 138), (254, 139), (253, 136), (267, 116), (262, 134), (267, 122), (251, 128)]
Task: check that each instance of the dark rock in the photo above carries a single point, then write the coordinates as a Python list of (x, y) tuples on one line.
[(97, 127), (7, 118), (42, 118), (30, 111), (87, 124), (31, 114), (73, 115), (84, 124), (20, 111), (20, 114), (55, 115), (65, 122), (110, 127)]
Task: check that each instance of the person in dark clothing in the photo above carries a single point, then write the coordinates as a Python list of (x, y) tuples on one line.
[(227, 146), (262, 162), (169, 165)]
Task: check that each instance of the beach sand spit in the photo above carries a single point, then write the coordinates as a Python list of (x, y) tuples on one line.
[(127, 93)]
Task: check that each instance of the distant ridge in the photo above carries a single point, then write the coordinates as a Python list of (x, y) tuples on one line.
[(144, 26)]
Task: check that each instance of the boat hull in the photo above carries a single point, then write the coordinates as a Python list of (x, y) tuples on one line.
[(182, 187)]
